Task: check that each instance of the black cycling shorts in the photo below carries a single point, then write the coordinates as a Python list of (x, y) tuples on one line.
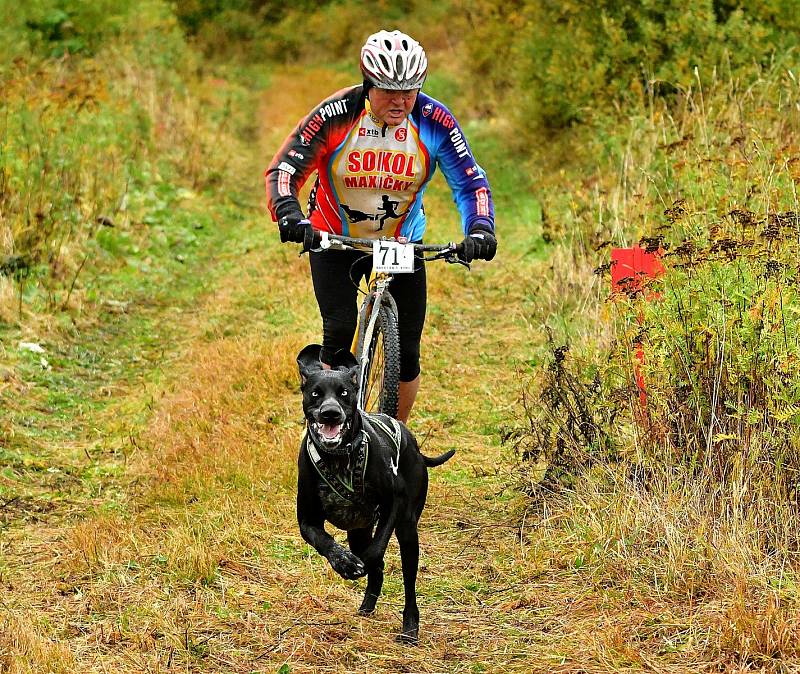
[(336, 274)]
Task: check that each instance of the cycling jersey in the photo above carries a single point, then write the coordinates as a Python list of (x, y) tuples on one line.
[(370, 176)]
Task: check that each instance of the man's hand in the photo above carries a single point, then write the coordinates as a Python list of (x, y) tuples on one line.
[(293, 228), (479, 244)]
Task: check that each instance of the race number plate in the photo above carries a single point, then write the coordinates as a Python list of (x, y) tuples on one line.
[(392, 257)]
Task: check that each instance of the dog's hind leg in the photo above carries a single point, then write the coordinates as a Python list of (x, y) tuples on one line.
[(408, 537), (359, 540)]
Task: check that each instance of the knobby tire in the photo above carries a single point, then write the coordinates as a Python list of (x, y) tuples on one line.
[(382, 382)]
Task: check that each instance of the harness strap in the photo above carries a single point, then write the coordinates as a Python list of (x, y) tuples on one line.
[(351, 489), (391, 430)]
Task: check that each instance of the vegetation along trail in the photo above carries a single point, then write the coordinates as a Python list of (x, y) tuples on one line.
[(150, 319), (181, 550)]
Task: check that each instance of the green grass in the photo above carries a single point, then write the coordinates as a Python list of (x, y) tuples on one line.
[(148, 476)]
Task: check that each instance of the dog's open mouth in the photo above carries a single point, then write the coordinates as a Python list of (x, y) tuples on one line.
[(330, 434)]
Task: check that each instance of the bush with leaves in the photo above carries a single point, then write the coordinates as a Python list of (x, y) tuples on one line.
[(722, 352), (712, 182), (555, 63)]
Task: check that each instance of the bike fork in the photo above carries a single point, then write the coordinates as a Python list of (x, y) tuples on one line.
[(369, 313)]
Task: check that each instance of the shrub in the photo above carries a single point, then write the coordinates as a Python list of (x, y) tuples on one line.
[(723, 359), (712, 182), (556, 63)]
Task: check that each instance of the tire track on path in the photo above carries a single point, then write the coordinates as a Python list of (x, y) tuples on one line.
[(206, 571)]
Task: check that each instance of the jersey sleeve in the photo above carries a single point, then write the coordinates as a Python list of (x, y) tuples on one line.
[(466, 178), (303, 151)]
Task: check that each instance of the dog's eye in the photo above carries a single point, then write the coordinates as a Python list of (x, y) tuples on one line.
[(344, 393), (315, 394)]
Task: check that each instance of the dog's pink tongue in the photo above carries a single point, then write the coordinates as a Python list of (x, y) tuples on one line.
[(330, 431)]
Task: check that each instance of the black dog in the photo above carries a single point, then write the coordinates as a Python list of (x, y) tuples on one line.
[(362, 473)]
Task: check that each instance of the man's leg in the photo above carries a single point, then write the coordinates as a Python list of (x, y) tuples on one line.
[(336, 297), (410, 294), (408, 394)]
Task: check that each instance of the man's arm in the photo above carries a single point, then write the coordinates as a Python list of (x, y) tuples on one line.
[(467, 180), (304, 149), (290, 168)]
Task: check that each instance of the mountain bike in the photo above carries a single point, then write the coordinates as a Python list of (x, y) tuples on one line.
[(376, 343)]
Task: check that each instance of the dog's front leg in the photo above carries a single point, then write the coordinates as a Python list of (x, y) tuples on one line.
[(312, 527), (344, 562), (359, 540)]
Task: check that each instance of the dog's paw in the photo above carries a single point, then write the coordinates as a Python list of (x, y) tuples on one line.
[(410, 633), (410, 638), (346, 564), (368, 605)]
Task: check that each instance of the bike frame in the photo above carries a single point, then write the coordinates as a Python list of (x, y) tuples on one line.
[(376, 295), (377, 285)]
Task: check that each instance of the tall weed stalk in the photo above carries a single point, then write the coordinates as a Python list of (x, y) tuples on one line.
[(711, 183)]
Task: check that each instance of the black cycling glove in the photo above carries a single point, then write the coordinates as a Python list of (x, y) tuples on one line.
[(293, 228), (479, 244)]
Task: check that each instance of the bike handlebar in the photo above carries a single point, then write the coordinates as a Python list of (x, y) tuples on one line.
[(449, 251)]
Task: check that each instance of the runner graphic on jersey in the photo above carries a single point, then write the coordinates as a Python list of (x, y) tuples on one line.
[(388, 207)]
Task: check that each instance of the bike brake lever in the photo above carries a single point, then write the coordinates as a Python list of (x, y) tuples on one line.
[(449, 256), (457, 260), (323, 243)]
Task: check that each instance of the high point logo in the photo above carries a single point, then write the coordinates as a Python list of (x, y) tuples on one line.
[(443, 118), (315, 123)]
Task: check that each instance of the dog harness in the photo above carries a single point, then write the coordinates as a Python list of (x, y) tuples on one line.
[(350, 487)]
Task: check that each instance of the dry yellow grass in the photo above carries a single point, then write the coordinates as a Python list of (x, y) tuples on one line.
[(24, 650), (205, 571)]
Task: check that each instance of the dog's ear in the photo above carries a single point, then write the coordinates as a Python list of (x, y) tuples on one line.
[(308, 361), (344, 360)]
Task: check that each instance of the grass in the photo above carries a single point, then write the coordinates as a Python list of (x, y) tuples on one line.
[(148, 481), (671, 506), (210, 496)]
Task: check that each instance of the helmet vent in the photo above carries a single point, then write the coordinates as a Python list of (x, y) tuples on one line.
[(393, 60)]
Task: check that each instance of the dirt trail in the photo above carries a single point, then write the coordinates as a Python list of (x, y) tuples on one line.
[(473, 562), (204, 569)]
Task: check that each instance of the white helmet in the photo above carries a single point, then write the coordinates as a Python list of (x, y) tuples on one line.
[(393, 60)]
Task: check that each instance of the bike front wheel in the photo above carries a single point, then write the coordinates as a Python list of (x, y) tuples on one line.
[(380, 387)]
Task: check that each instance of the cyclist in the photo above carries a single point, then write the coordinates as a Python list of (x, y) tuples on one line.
[(374, 147)]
